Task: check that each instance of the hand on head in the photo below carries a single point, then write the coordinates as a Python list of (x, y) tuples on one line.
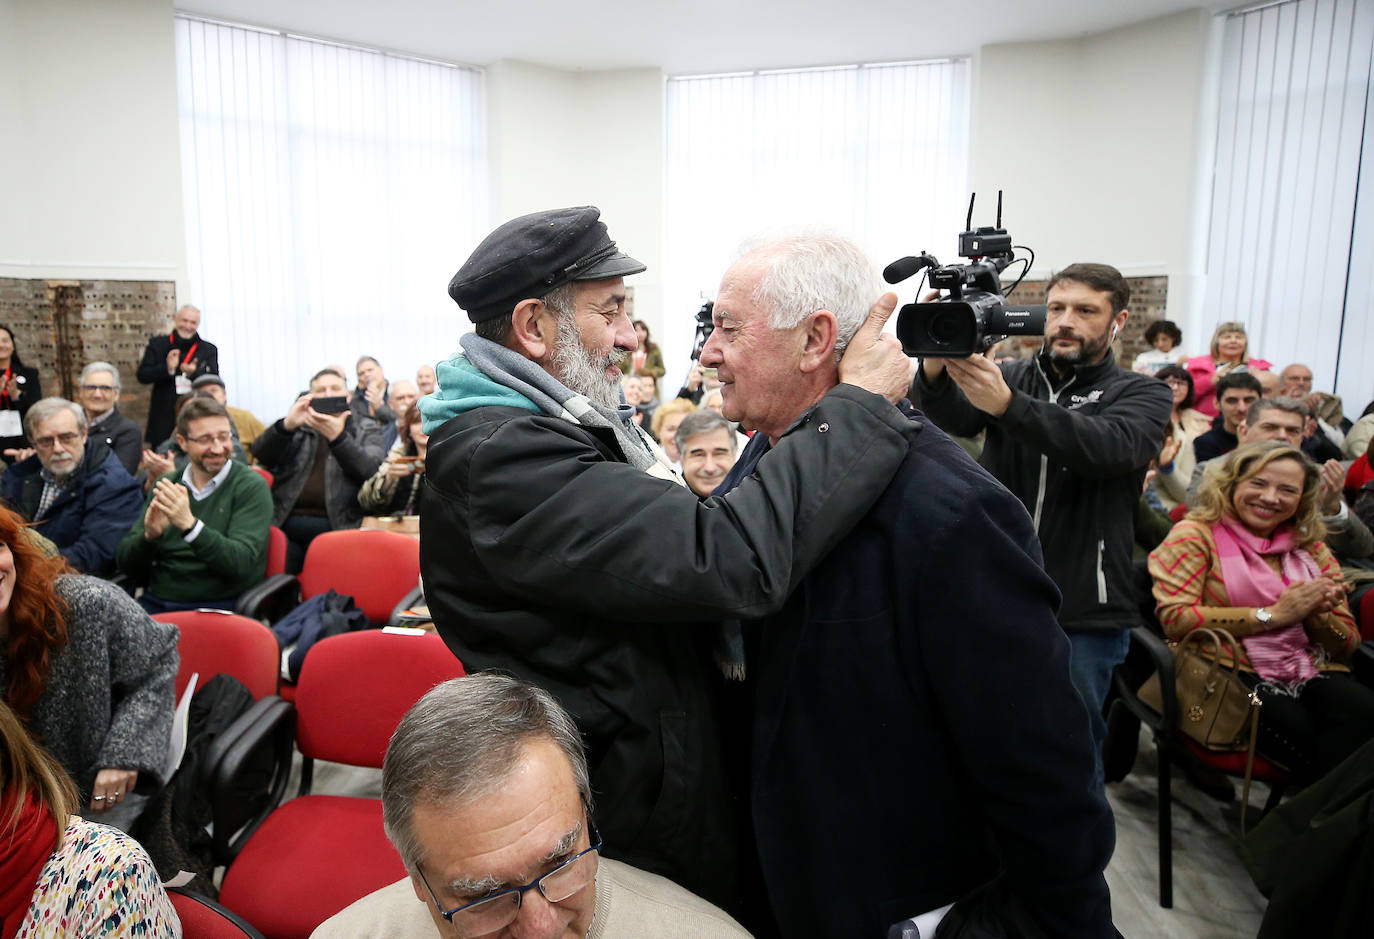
[(874, 360)]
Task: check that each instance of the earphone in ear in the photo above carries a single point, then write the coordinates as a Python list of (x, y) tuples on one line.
[(1114, 331)]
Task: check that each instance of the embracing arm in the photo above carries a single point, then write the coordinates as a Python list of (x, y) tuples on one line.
[(552, 518)]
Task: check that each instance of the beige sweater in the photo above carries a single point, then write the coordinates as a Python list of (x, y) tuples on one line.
[(630, 904)]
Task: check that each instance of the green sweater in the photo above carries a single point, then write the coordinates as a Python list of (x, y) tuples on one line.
[(225, 559)]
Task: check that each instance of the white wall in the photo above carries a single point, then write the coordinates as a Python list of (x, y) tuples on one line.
[(1102, 146), (90, 156), (559, 138)]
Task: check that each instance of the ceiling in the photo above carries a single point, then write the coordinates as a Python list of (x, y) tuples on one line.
[(679, 37)]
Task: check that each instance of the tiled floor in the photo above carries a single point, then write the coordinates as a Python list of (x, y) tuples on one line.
[(1213, 895)]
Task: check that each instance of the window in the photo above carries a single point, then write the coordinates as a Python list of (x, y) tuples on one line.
[(329, 192), (878, 152), (1290, 247)]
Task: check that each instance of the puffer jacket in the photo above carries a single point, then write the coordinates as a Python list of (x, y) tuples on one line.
[(1076, 457), (545, 554), (289, 455), (89, 517)]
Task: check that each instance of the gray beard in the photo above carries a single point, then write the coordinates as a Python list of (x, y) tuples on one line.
[(584, 372)]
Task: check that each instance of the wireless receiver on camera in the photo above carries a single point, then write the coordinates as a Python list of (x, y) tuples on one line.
[(973, 316)]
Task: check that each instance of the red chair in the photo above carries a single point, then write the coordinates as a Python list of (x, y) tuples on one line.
[(276, 552), (214, 641), (245, 768), (375, 568), (316, 854), (203, 918), (264, 474)]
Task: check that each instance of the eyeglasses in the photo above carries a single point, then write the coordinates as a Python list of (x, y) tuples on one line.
[(487, 915), (204, 440), (99, 389), (68, 440), (1179, 382)]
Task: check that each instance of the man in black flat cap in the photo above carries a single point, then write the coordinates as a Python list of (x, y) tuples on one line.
[(558, 545)]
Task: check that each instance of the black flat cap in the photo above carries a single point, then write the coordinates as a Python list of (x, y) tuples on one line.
[(533, 254)]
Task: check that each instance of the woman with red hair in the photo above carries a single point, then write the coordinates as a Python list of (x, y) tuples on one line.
[(88, 673), (60, 875)]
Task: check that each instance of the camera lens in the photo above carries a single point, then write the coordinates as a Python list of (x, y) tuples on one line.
[(945, 328)]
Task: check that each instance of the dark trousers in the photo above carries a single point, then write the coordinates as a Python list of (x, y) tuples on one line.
[(1331, 718), (155, 604), (300, 530)]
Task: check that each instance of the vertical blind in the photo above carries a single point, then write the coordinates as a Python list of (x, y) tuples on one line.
[(330, 192), (877, 152), (1291, 246)]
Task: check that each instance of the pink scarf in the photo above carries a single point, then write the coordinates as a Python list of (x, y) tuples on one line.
[(1279, 655)]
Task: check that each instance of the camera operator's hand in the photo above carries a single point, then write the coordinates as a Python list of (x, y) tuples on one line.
[(874, 359), (981, 382)]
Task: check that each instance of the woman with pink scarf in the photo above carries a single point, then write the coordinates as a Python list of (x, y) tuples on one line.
[(1249, 559)]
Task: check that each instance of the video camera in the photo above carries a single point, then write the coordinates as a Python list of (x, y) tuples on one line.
[(974, 316), (704, 326)]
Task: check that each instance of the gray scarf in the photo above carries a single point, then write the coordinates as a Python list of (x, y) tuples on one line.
[(555, 399)]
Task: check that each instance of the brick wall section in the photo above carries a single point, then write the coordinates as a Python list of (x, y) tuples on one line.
[(1149, 302), (60, 325)]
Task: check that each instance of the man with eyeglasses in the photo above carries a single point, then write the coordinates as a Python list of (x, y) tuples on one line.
[(485, 795), (99, 398), (202, 538), (72, 489)]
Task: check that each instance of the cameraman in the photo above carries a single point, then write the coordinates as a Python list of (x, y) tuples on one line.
[(1070, 433)]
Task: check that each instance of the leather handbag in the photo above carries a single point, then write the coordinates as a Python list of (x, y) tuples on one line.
[(1215, 708)]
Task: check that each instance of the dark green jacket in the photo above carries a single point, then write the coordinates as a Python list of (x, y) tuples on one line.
[(225, 559)]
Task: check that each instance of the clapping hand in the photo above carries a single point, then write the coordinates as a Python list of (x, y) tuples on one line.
[(174, 501)]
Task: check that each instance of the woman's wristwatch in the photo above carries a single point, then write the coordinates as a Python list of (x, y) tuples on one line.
[(1264, 617)]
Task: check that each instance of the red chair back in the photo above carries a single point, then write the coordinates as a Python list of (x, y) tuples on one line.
[(375, 568), (214, 642), (1365, 616), (354, 689), (276, 551), (264, 474), (203, 918)]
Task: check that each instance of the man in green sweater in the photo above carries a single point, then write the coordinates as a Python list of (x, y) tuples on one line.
[(202, 539)]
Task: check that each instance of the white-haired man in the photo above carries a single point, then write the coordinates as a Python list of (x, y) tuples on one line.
[(99, 397), (943, 743), (485, 794), (170, 363), (565, 550)]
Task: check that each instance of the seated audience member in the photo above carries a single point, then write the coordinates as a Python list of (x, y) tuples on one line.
[(1322, 438), (1282, 419), (713, 400), (169, 456), (246, 423), (395, 487), (20, 389), (1250, 559), (1176, 460), (665, 424), (89, 673), (426, 380), (372, 397), (202, 539), (61, 875), (99, 395), (1230, 353), (1164, 337), (1235, 392), (647, 360), (485, 794), (706, 442), (72, 489), (1269, 382), (319, 461), (1359, 437), (402, 394)]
